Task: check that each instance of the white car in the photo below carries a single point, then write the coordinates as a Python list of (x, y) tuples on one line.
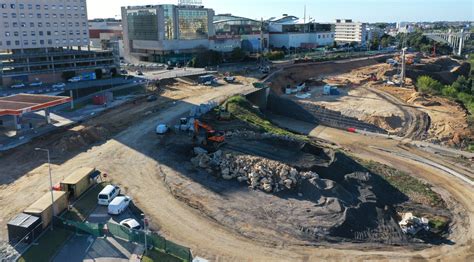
[(18, 86), (131, 223), (161, 129), (118, 205), (36, 84), (59, 85), (74, 79)]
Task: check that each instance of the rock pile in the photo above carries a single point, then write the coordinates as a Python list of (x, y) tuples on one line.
[(259, 173)]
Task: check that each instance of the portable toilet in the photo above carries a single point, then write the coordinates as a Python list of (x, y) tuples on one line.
[(79, 181)]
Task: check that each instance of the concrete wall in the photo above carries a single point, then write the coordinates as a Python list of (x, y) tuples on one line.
[(259, 98)]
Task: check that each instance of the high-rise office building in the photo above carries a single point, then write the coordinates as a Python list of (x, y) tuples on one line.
[(41, 39)]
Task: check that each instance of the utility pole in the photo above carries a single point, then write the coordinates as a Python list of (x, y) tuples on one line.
[(145, 222), (403, 73), (304, 26)]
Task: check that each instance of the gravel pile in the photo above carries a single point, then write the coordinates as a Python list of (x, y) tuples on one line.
[(259, 173)]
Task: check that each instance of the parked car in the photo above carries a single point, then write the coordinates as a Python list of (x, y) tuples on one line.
[(118, 205), (140, 73), (34, 84), (131, 223), (169, 67), (161, 129), (74, 79), (108, 194), (21, 85), (59, 85)]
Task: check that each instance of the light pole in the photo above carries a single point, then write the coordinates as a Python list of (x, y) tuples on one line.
[(50, 183), (145, 222)]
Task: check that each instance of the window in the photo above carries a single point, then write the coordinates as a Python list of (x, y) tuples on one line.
[(41, 42), (5, 15), (15, 24), (45, 7), (25, 42), (13, 15), (53, 7), (40, 33), (33, 33), (50, 42), (48, 24), (38, 7), (16, 33), (22, 15), (6, 24), (30, 6), (23, 24), (7, 33), (32, 24), (46, 15), (17, 42), (40, 24), (48, 32), (192, 24), (21, 6), (38, 15), (12, 6), (9, 43), (25, 33), (55, 15), (33, 42), (30, 15)]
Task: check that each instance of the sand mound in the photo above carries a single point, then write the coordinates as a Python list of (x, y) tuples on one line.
[(390, 123), (81, 137)]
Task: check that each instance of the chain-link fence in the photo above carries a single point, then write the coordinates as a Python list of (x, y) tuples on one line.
[(153, 239), (136, 236)]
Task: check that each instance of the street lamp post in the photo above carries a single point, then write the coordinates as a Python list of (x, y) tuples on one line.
[(145, 222), (50, 183)]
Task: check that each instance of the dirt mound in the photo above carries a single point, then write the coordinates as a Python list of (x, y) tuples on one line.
[(446, 63), (390, 123), (80, 137)]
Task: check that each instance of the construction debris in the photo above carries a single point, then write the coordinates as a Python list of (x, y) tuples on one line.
[(411, 224), (259, 173)]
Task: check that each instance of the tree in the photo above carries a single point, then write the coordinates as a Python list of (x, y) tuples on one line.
[(68, 74), (450, 91), (99, 74), (462, 85), (207, 58), (237, 54), (428, 85)]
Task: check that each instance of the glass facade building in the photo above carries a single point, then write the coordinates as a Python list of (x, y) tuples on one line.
[(142, 24), (193, 24)]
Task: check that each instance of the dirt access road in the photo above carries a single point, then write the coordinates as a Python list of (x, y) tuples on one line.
[(129, 159)]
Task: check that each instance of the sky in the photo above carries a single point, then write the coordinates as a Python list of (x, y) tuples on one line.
[(320, 10)]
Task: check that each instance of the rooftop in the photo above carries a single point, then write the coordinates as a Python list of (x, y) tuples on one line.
[(24, 103), (44, 202), (78, 175)]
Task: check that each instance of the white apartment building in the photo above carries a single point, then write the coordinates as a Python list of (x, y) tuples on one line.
[(43, 23), (348, 31), (45, 40)]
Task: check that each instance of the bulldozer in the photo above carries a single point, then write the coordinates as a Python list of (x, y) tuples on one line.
[(206, 137)]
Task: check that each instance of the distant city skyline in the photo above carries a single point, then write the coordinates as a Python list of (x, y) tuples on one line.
[(320, 10)]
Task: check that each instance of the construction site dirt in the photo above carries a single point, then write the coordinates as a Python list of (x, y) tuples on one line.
[(225, 220), (345, 204), (377, 106)]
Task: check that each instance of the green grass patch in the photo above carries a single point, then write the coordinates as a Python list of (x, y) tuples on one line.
[(48, 245), (243, 110), (438, 223), (155, 255), (85, 205), (415, 189)]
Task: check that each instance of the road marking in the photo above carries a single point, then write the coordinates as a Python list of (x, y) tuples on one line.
[(98, 215)]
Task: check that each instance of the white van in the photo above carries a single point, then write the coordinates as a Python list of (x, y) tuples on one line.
[(118, 205), (108, 194)]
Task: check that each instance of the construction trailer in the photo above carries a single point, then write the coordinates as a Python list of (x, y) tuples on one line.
[(43, 207), (79, 181), (24, 228)]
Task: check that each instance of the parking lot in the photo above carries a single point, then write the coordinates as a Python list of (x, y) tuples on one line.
[(84, 247)]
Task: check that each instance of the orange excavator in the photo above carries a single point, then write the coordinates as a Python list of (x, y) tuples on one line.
[(207, 137)]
